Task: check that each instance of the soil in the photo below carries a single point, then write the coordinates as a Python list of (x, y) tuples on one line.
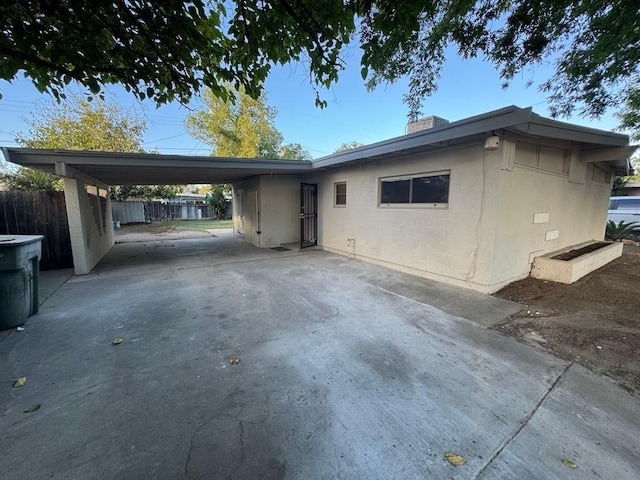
[(571, 254), (594, 322), (150, 232), (157, 228)]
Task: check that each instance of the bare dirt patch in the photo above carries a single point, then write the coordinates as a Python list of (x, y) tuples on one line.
[(594, 321), (149, 232), (152, 228)]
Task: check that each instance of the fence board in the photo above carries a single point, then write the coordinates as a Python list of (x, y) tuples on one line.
[(39, 213), (143, 211)]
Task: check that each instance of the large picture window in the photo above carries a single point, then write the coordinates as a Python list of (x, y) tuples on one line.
[(422, 189)]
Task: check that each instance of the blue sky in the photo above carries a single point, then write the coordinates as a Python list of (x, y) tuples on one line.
[(466, 88)]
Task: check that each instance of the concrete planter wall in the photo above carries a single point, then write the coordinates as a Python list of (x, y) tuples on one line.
[(568, 271)]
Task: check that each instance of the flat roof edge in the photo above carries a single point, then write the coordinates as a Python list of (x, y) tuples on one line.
[(496, 119), (35, 156)]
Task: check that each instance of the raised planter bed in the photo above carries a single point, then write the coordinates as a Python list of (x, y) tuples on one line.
[(573, 263)]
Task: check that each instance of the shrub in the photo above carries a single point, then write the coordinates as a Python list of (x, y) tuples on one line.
[(620, 230)]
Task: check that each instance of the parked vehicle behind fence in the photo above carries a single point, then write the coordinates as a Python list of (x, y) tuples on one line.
[(625, 209)]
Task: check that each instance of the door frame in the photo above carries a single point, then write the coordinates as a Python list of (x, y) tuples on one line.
[(308, 214)]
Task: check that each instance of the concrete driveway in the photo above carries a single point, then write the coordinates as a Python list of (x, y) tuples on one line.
[(346, 370)]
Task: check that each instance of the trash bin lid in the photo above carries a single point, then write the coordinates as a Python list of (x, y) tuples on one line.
[(13, 240)]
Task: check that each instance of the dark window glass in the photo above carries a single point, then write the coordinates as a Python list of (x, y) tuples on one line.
[(395, 191), (629, 204), (341, 193), (433, 189)]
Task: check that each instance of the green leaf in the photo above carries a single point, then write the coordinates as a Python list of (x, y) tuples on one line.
[(569, 463)]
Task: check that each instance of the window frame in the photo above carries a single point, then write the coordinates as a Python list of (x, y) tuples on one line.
[(440, 205), (335, 194)]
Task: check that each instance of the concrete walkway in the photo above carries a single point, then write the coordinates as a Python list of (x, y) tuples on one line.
[(346, 370)]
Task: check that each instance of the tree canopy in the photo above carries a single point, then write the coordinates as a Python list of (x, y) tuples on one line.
[(77, 124), (343, 147), (242, 128), (168, 50), (29, 179)]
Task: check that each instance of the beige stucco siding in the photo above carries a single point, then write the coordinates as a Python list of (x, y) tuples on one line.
[(451, 244), (541, 211), (280, 209), (241, 205), (90, 223), (274, 219)]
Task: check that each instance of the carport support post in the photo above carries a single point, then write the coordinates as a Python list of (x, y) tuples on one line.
[(90, 223)]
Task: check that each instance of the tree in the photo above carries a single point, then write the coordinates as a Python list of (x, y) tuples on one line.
[(219, 198), (168, 50), (78, 124), (121, 193), (294, 151), (30, 180), (618, 184), (242, 128), (635, 165), (348, 146)]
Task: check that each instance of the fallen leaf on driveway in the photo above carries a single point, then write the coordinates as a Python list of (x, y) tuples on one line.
[(20, 382), (569, 463), (455, 460), (117, 341), (234, 360), (32, 409)]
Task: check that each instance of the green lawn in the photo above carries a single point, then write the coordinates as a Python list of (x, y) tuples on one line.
[(198, 224)]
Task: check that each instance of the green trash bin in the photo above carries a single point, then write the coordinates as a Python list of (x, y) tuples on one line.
[(19, 269)]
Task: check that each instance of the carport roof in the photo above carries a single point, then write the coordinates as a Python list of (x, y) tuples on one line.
[(109, 168)]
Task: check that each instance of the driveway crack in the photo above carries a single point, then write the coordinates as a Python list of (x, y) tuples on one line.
[(523, 423)]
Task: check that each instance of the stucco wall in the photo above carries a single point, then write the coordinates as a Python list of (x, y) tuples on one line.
[(450, 244), (90, 223), (541, 211), (278, 208), (240, 204)]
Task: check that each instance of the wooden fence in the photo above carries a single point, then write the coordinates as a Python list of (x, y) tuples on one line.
[(137, 211), (39, 213)]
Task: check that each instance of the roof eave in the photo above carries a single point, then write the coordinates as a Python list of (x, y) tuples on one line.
[(495, 120)]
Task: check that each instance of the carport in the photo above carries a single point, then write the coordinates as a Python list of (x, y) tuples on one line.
[(88, 175)]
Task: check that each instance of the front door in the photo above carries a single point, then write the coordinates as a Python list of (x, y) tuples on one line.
[(308, 214)]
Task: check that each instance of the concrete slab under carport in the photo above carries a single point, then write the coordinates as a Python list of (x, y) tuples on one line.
[(338, 378)]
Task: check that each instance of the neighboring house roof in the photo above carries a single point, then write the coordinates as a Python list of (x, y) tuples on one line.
[(191, 196), (185, 197), (138, 168)]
